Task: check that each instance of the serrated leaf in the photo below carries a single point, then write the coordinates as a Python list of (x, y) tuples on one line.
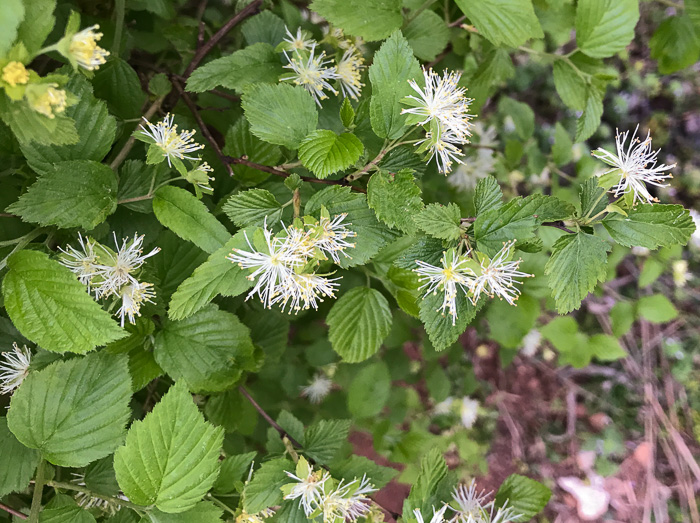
[(439, 326), (135, 181), (264, 27), (656, 308), (503, 22), (369, 390), (19, 462), (66, 514), (591, 197), (224, 349), (241, 142), (175, 262), (95, 126), (577, 263), (215, 276), (78, 193), (675, 44), (323, 152), (252, 207), (496, 68), (11, 15), (392, 67), (30, 126), (605, 27), (570, 85), (256, 63), (185, 215), (51, 308), (369, 19), (521, 113), (395, 198), (280, 114), (371, 235), (233, 470), (562, 149), (526, 496), (427, 34), (440, 221), (170, 458), (358, 323), (347, 113), (118, 84), (37, 23), (75, 411), (357, 466), (325, 438), (263, 490), (651, 226), (202, 512), (592, 112), (426, 249), (429, 484), (488, 195)]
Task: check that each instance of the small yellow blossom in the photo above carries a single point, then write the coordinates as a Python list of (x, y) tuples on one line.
[(15, 73), (48, 101), (84, 48)]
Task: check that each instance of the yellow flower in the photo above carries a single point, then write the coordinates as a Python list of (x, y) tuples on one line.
[(84, 48), (15, 73), (47, 100)]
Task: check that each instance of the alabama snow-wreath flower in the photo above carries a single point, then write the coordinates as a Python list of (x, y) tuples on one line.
[(636, 166), (84, 49), (498, 276), (14, 367), (311, 72), (172, 143)]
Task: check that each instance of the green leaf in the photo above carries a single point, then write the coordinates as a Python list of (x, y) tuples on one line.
[(263, 490), (439, 326), (357, 466), (37, 24), (526, 496), (606, 348), (171, 457), (185, 215), (521, 113), (347, 113), (395, 198), (651, 226), (265, 27), (562, 149), (573, 75), (66, 514), (675, 44), (591, 196), (51, 308), (325, 438), (427, 34), (241, 142), (73, 411), (605, 27), (496, 68), (100, 477), (430, 482), (521, 320), (371, 235), (370, 19), (369, 390), (252, 207), (30, 126), (692, 9), (215, 276), (79, 193), (96, 129), (392, 67), (592, 112), (358, 323), (503, 22), (224, 348), (175, 262), (440, 221), (117, 83), (19, 462), (11, 15), (202, 512), (656, 308), (135, 181), (577, 263), (254, 64), (233, 470), (488, 195), (280, 114), (323, 152)]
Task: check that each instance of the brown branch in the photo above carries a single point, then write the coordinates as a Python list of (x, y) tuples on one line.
[(283, 433), (8, 215), (247, 11), (12, 511)]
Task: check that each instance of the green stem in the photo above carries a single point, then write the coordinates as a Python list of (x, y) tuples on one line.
[(592, 218), (111, 499), (21, 243), (221, 504), (121, 156), (47, 49), (595, 204), (119, 11), (38, 490), (418, 11)]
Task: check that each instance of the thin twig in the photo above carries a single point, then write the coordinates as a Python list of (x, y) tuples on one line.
[(132, 140), (283, 433), (12, 511)]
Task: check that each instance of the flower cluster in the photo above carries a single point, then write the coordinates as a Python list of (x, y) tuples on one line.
[(319, 494), (84, 49), (14, 368), (314, 72), (493, 277), (278, 263), (108, 273), (635, 165), (442, 108)]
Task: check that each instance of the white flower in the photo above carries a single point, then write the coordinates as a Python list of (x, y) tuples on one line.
[(680, 273), (332, 239), (473, 507), (478, 166), (319, 387), (133, 296), (640, 251), (468, 412), (304, 291), (84, 49), (312, 74), (14, 368), (498, 276), (438, 517), (83, 262), (258, 517), (88, 502), (442, 149), (274, 270), (172, 143), (199, 176), (637, 166), (453, 274), (299, 42), (309, 490), (531, 342), (442, 100), (504, 514), (120, 267), (695, 238), (443, 407), (358, 504), (348, 72)]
